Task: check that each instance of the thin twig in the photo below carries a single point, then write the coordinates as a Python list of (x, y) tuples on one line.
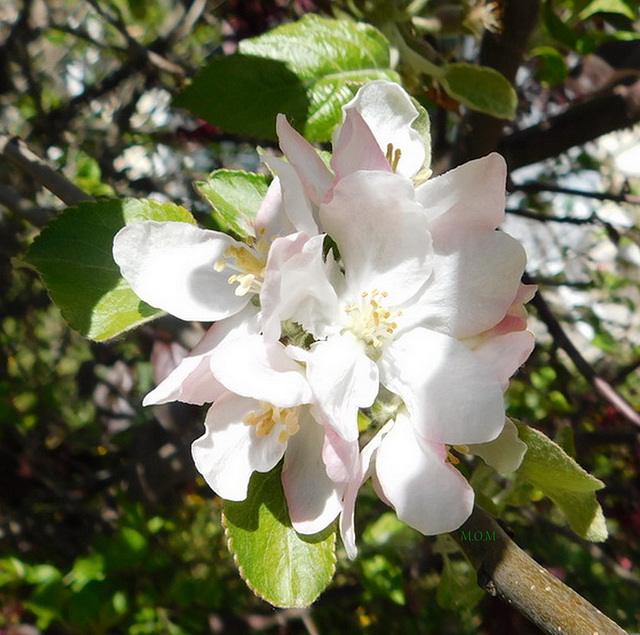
[(17, 151), (601, 385), (525, 213), (557, 189), (505, 570)]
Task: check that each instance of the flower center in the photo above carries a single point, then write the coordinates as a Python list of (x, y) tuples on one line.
[(393, 156), (249, 261), (281, 421), (370, 320)]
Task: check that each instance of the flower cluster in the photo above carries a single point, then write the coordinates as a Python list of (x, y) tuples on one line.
[(365, 289)]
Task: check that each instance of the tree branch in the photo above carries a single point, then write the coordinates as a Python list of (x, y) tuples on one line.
[(505, 570), (479, 133), (17, 151), (598, 196), (581, 123)]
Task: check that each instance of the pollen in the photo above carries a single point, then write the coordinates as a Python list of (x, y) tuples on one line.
[(248, 261), (370, 320), (283, 422)]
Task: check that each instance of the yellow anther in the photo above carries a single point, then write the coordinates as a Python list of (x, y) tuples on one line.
[(284, 421)]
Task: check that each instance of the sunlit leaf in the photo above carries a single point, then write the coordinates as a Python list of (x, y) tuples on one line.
[(73, 256), (281, 566)]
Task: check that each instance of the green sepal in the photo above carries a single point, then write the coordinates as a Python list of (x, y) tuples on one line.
[(279, 565), (549, 468), (73, 255)]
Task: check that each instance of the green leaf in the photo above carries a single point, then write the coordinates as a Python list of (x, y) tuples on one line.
[(552, 67), (560, 478), (242, 94), (480, 88), (332, 58), (73, 256), (307, 70), (281, 566), (607, 6), (235, 197)]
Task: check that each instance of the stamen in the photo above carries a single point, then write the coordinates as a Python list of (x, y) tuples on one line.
[(393, 156), (370, 321), (282, 421)]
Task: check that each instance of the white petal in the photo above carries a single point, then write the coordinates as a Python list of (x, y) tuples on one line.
[(471, 195), (389, 113), (296, 205), (504, 354), (254, 368), (342, 379), (230, 451), (270, 216), (356, 148), (381, 233), (347, 518), (340, 457), (450, 394), (313, 499), (476, 276), (505, 453), (169, 265), (427, 493), (192, 381), (313, 173), (297, 287)]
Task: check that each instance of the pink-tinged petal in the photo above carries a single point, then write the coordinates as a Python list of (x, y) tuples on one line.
[(230, 451), (282, 249), (165, 358), (347, 518), (254, 368), (313, 173), (476, 275), (505, 453), (313, 499), (471, 195), (342, 379), (297, 209), (427, 492), (340, 457), (451, 396), (297, 287), (504, 354), (388, 111), (355, 148), (192, 381), (270, 219), (381, 233), (516, 317), (169, 265)]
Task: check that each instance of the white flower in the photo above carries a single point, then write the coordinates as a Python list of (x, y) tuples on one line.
[(424, 300)]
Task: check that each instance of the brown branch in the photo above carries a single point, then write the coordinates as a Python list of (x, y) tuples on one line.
[(505, 570), (601, 385), (504, 52), (17, 151), (598, 196), (578, 125)]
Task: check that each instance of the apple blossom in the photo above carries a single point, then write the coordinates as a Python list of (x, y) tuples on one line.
[(361, 284)]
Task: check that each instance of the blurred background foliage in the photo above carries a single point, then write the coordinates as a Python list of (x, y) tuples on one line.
[(104, 525)]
